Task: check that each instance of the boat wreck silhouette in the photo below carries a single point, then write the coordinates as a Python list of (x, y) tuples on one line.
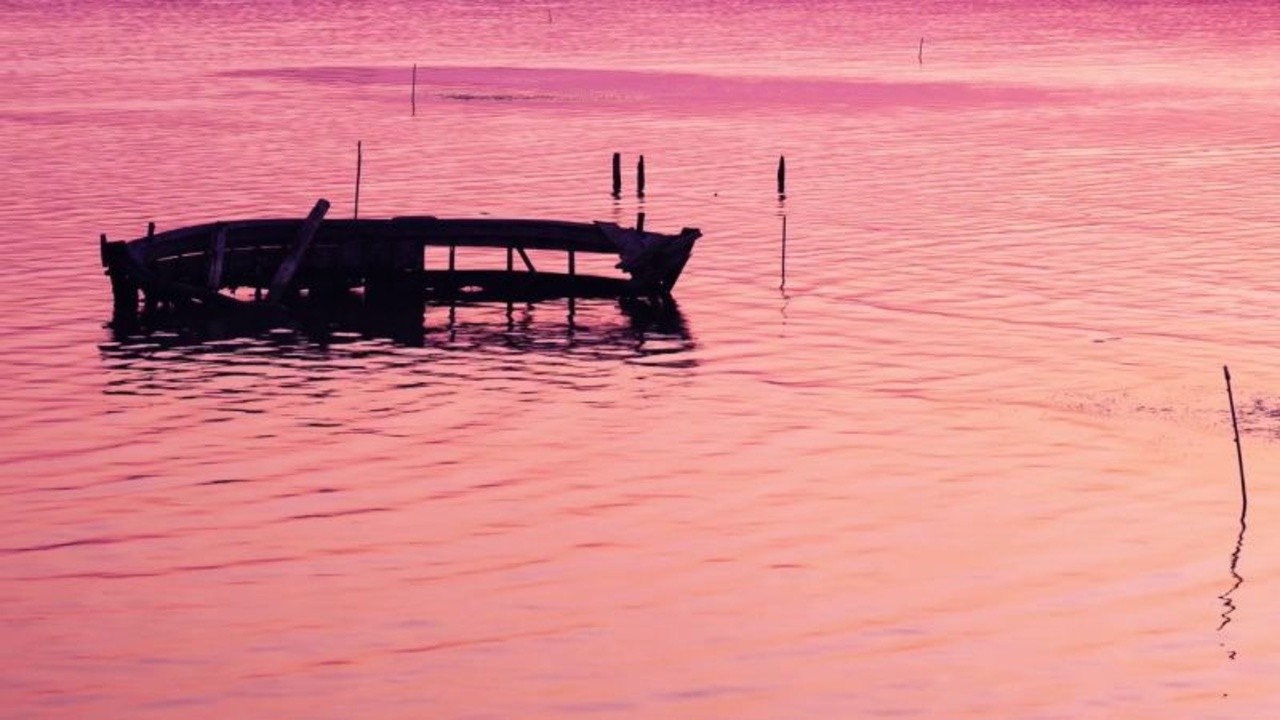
[(266, 266)]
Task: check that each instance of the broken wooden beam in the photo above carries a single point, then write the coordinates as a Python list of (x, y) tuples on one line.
[(283, 278)]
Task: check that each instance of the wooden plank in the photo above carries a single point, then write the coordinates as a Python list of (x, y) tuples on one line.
[(289, 266), (218, 253)]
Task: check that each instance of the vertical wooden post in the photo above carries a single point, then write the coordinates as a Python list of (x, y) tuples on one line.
[(782, 176), (617, 174), (510, 259), (413, 91), (640, 177), (920, 55), (151, 230), (453, 249), (639, 222), (217, 257), (359, 163)]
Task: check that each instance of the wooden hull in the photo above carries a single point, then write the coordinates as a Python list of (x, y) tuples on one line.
[(243, 265)]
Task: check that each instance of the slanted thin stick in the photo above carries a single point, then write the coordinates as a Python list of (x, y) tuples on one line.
[(1235, 427)]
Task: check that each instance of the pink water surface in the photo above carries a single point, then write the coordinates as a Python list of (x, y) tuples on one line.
[(970, 457)]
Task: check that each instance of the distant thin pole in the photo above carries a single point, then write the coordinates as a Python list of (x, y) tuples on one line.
[(413, 90), (920, 55), (1235, 428), (359, 163)]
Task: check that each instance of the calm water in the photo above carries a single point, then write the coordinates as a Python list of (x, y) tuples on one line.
[(970, 458)]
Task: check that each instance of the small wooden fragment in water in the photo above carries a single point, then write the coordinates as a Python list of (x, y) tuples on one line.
[(293, 260)]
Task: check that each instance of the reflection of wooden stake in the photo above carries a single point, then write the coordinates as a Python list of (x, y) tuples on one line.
[(1244, 494), (413, 91), (784, 252), (359, 162)]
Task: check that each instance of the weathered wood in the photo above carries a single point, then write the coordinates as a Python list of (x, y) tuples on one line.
[(188, 265), (617, 174), (289, 266), (217, 257)]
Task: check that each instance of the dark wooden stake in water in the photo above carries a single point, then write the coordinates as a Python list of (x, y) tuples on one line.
[(640, 176), (617, 174), (782, 176), (1244, 494), (359, 163), (639, 222), (413, 91)]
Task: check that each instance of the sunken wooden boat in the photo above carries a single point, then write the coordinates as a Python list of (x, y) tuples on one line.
[(239, 265)]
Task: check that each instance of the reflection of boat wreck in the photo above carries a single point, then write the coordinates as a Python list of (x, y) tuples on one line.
[(626, 329), (212, 267)]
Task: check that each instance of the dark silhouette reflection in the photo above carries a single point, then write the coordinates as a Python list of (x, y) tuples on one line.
[(652, 331), (1228, 603)]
